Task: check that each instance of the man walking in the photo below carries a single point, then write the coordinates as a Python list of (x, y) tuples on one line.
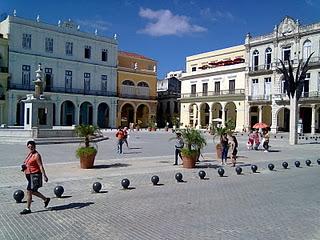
[(178, 146), (120, 137)]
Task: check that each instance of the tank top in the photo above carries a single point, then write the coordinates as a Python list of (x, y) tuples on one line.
[(31, 163)]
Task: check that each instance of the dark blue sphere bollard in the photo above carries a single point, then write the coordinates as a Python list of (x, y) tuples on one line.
[(308, 162), (318, 161), (18, 196), (297, 163), (285, 165), (155, 179), (254, 168), (179, 177), (58, 191), (125, 183), (221, 172), (238, 170), (270, 166), (97, 187), (202, 174)]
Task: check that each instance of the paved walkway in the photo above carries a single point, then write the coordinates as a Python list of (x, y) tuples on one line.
[(280, 204)]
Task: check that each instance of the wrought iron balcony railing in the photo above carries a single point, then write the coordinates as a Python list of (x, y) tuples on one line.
[(267, 97), (214, 93), (136, 96)]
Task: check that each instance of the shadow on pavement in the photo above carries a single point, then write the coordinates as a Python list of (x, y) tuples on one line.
[(132, 152), (114, 165), (70, 206)]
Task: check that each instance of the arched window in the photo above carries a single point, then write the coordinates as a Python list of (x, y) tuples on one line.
[(255, 60), (128, 83), (143, 84), (268, 58), (306, 49)]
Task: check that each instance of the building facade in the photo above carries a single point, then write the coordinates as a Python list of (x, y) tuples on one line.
[(137, 89), (266, 99), (169, 91), (213, 88), (79, 71), (3, 79)]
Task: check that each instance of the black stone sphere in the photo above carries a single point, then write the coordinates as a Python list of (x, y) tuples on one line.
[(297, 163), (155, 179), (58, 191), (179, 177), (221, 172), (238, 170), (270, 166), (18, 196), (308, 162), (202, 174), (285, 165), (125, 183), (318, 161), (254, 168), (97, 187)]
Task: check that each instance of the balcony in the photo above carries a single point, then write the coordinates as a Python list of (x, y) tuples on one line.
[(64, 90), (222, 93), (135, 92), (305, 97), (261, 68), (259, 98)]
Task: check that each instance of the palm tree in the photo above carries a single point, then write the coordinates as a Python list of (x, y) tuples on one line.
[(293, 86)]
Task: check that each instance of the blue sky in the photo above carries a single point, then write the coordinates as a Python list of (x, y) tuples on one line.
[(170, 30)]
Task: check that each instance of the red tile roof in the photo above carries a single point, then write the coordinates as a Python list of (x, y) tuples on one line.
[(135, 55)]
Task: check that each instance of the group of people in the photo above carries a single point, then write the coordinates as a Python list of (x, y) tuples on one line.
[(122, 135), (254, 140), (226, 143)]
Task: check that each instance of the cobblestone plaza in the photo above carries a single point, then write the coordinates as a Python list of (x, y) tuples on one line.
[(279, 204)]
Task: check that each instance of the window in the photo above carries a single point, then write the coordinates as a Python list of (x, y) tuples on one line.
[(255, 85), (104, 55), (193, 89), (306, 86), (48, 78), (193, 69), (306, 49), (86, 82), (217, 87), (87, 52), (68, 79), (286, 51), (49, 45), (284, 86), (255, 60), (267, 86), (25, 75), (104, 85), (204, 89), (26, 41), (232, 86), (69, 48), (143, 84), (268, 58), (128, 83)]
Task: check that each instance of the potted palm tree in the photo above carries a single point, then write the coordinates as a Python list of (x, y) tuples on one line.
[(194, 141), (86, 152)]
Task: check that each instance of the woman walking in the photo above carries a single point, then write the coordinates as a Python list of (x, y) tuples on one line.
[(225, 145)]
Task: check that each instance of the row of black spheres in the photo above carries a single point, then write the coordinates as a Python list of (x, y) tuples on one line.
[(59, 190)]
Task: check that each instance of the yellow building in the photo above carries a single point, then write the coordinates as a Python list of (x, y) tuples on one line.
[(137, 89), (3, 78), (213, 88)]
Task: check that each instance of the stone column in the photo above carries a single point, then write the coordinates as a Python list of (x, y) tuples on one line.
[(313, 119), (210, 116), (76, 115), (197, 118), (260, 113), (223, 117)]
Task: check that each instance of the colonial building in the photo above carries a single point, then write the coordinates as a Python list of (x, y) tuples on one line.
[(213, 88), (267, 100), (169, 91), (137, 89), (79, 71), (3, 78)]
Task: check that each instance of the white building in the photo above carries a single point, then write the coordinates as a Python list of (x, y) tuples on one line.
[(79, 71), (213, 88), (267, 101)]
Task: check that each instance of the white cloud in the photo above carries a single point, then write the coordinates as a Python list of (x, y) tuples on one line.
[(216, 15), (94, 24), (163, 22), (309, 2)]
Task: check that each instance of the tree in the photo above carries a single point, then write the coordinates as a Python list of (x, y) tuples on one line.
[(293, 87)]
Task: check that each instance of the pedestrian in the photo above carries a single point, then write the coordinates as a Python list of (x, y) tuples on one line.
[(120, 137), (126, 136), (178, 146), (34, 171), (256, 140), (250, 140), (225, 145), (234, 150), (266, 138)]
